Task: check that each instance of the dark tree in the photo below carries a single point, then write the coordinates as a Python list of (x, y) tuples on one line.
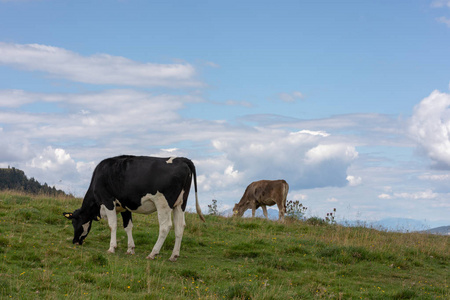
[(15, 179)]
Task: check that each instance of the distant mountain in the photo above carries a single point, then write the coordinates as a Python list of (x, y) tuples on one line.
[(399, 224), (443, 230), (271, 212), (388, 224)]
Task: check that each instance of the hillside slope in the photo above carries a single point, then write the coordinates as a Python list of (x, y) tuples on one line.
[(224, 258)]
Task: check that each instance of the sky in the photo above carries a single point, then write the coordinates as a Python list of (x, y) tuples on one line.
[(348, 101)]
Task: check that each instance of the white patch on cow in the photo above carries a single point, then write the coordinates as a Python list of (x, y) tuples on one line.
[(85, 229), (170, 160), (147, 204), (180, 223), (179, 199), (111, 216), (165, 222), (103, 214), (129, 230)]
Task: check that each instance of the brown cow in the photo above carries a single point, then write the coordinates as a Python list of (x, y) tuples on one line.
[(263, 193)]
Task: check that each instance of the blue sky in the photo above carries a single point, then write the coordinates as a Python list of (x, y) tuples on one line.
[(346, 100)]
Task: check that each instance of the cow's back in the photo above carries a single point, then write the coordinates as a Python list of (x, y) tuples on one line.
[(268, 192), (129, 178)]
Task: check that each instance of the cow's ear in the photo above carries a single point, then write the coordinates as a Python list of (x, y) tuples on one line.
[(68, 215)]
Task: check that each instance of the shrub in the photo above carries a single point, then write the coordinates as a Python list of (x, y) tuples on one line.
[(330, 218), (295, 210), (212, 208), (315, 221)]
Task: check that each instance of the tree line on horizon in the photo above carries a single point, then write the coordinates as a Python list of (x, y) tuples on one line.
[(16, 180)]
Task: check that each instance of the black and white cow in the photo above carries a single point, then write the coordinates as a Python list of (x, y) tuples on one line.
[(140, 184)]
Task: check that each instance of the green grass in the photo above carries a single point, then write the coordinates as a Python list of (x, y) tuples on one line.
[(224, 258)]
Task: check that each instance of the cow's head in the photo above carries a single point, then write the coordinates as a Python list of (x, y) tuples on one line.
[(81, 225), (239, 209)]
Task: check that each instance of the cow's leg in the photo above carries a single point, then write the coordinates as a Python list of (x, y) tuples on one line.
[(264, 208), (128, 226), (254, 208), (282, 205), (179, 224), (165, 223), (111, 216), (281, 212)]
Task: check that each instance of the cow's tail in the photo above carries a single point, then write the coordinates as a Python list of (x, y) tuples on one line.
[(197, 205)]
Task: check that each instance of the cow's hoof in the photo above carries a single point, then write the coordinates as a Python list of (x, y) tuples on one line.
[(130, 251), (111, 250), (151, 256), (173, 258)]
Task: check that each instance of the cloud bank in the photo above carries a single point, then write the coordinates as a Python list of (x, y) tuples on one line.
[(306, 159), (117, 122), (430, 127), (100, 69)]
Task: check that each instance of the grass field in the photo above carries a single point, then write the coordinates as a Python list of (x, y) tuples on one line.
[(224, 258)]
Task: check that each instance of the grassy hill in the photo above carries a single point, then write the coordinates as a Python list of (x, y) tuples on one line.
[(224, 258)]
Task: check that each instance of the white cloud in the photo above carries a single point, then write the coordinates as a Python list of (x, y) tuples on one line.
[(212, 64), (435, 177), (238, 103), (52, 160), (297, 196), (357, 129), (304, 160), (217, 173), (322, 153), (354, 180), (170, 150), (427, 194), (56, 167), (13, 148), (440, 3), (387, 189), (96, 69), (444, 20), (429, 126), (291, 97), (442, 204), (85, 167), (15, 98), (104, 117), (311, 132)]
